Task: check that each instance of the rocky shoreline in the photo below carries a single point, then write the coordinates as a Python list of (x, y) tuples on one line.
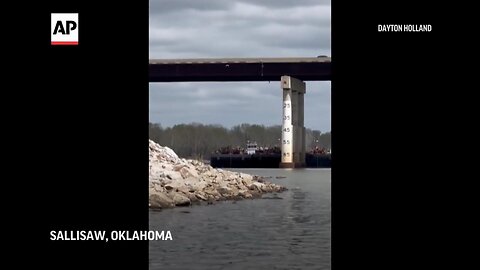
[(175, 181)]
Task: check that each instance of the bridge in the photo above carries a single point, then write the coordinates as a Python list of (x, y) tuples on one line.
[(239, 69), (291, 72)]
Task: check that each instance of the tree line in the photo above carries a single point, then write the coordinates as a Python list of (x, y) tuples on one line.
[(200, 141)]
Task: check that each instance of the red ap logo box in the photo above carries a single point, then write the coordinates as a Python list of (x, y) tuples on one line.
[(64, 30)]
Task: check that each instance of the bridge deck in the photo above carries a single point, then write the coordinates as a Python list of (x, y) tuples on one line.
[(239, 69), (242, 60)]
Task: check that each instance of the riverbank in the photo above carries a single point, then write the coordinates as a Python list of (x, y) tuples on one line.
[(175, 181)]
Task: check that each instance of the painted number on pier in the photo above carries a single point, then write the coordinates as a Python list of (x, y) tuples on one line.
[(286, 105), (286, 117), (286, 141), (286, 129)]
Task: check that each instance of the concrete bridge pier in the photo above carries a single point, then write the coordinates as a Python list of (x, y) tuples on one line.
[(293, 130)]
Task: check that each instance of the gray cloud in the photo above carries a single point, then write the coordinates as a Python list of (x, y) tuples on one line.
[(168, 6), (242, 28), (287, 3), (194, 31)]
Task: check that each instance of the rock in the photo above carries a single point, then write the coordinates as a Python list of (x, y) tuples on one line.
[(244, 194), (174, 185), (201, 197), (255, 194), (246, 182), (224, 190), (175, 181), (212, 192), (243, 187), (180, 200), (236, 198), (170, 152), (160, 200), (158, 188), (185, 172), (173, 175), (178, 167), (280, 189), (258, 179), (184, 190), (256, 186), (195, 183), (191, 197), (266, 188)]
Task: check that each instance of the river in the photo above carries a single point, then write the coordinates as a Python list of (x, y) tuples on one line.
[(289, 230)]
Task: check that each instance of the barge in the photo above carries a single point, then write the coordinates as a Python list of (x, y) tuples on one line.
[(255, 157)]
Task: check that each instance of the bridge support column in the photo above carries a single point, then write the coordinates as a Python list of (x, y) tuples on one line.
[(301, 126), (293, 130)]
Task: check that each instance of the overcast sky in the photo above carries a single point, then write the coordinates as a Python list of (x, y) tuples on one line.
[(237, 28)]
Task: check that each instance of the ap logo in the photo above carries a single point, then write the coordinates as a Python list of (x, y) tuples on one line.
[(64, 30)]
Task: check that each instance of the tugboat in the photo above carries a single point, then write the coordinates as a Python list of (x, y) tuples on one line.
[(252, 148)]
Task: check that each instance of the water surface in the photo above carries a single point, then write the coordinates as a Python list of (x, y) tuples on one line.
[(292, 232)]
